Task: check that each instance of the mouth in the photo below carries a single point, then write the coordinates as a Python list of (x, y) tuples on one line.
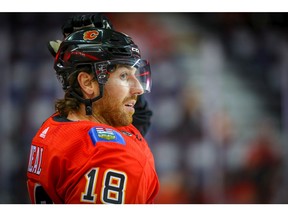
[(130, 105)]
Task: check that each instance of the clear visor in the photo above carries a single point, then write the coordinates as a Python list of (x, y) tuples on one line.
[(129, 73)]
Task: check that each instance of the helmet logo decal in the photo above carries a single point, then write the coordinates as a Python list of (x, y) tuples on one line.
[(134, 49), (90, 35)]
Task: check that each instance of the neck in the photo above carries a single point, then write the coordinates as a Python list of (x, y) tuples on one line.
[(79, 116)]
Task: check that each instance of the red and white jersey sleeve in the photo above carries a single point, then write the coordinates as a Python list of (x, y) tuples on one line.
[(84, 162)]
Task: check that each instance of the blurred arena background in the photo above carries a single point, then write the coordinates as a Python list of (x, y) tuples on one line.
[(219, 97)]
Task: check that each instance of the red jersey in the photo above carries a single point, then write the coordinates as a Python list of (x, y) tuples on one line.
[(88, 162)]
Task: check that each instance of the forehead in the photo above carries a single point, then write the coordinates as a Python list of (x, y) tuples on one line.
[(121, 67)]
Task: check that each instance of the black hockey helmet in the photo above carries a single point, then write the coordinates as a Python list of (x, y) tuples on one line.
[(94, 45), (100, 50)]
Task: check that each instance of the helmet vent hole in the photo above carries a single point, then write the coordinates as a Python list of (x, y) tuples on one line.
[(119, 51)]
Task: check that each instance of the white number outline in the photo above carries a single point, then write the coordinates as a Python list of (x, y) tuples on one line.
[(113, 183), (89, 194), (107, 188)]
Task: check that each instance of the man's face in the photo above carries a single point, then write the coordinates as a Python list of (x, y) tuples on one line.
[(116, 106)]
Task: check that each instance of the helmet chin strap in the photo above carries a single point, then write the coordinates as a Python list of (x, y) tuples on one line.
[(88, 102)]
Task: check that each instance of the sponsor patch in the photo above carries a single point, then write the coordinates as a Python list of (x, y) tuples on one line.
[(99, 134)]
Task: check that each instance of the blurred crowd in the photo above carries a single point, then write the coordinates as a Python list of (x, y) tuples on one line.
[(219, 99)]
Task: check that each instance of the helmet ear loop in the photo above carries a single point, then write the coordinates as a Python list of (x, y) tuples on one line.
[(102, 78), (88, 102), (66, 80)]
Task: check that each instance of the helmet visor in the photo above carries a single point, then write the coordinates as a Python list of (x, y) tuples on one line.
[(129, 73)]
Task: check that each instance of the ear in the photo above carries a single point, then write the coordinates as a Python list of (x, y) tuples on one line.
[(87, 84)]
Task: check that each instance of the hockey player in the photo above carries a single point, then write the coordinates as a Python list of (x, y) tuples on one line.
[(89, 151)]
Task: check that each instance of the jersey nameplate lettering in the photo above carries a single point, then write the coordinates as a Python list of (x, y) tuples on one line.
[(35, 159), (99, 134)]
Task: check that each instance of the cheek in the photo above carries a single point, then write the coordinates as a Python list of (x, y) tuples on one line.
[(116, 91)]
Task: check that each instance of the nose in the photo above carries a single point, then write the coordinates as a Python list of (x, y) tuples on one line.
[(136, 87)]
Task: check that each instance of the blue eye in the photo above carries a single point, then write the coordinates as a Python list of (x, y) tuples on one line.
[(124, 76)]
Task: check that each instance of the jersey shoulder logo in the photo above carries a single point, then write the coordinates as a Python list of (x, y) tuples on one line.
[(44, 132), (100, 134)]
